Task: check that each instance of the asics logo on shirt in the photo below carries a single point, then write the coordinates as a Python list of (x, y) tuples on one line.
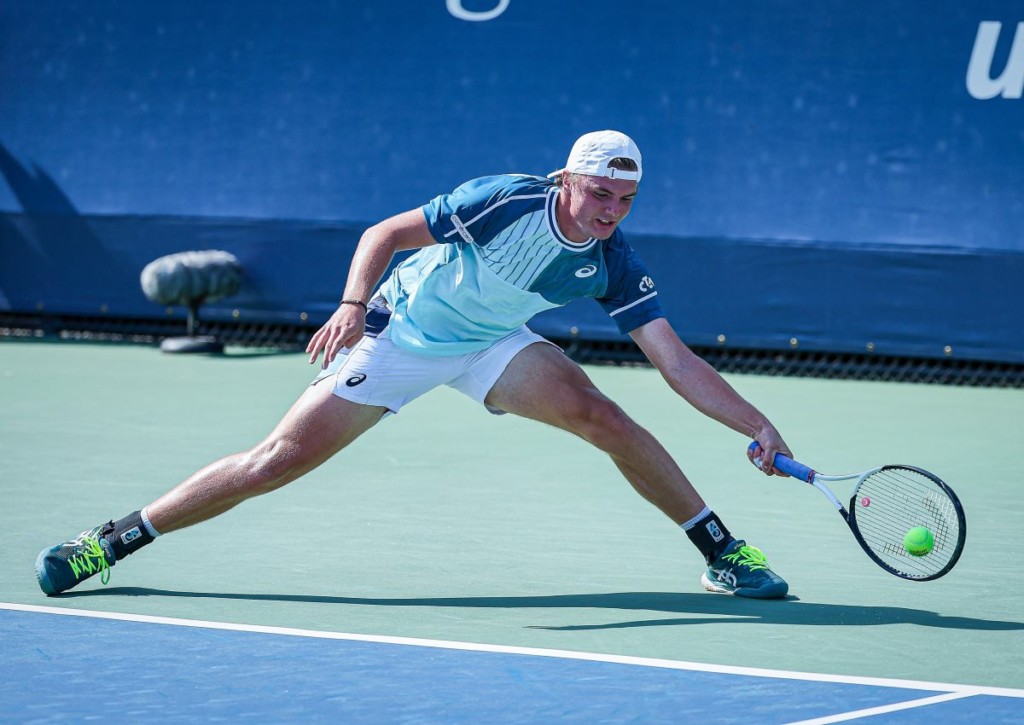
[(355, 380), (588, 271)]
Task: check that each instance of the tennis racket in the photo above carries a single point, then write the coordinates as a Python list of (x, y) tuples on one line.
[(885, 504)]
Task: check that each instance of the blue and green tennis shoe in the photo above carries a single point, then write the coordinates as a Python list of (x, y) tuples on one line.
[(743, 570), (63, 566)]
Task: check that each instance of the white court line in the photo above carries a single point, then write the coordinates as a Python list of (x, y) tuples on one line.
[(882, 710), (960, 690)]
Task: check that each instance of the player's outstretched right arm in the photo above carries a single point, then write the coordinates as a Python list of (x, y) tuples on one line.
[(703, 388)]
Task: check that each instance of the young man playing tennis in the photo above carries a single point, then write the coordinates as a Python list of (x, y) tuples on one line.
[(493, 253)]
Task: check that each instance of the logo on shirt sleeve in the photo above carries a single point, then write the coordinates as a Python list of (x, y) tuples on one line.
[(646, 284), (461, 229)]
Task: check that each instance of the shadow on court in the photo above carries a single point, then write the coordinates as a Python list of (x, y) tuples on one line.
[(788, 611)]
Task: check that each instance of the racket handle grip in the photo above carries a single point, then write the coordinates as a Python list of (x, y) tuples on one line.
[(788, 466)]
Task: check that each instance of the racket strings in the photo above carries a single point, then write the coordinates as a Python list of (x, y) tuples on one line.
[(893, 500)]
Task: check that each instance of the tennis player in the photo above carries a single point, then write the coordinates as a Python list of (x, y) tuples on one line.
[(492, 254)]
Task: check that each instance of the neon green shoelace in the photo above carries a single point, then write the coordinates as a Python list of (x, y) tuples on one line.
[(90, 559), (750, 557)]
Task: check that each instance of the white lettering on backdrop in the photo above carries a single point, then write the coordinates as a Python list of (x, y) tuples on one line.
[(980, 83), (456, 9)]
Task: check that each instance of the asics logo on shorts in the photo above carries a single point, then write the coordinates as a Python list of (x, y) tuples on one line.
[(355, 380)]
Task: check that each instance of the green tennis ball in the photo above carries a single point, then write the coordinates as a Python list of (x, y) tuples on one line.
[(918, 541)]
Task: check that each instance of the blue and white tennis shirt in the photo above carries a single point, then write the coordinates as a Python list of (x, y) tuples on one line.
[(501, 259)]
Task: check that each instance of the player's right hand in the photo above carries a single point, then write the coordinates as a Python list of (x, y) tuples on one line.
[(769, 442)]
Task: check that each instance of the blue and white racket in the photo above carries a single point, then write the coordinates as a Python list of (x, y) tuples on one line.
[(885, 504)]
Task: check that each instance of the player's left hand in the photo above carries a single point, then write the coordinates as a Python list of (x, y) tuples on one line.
[(343, 330)]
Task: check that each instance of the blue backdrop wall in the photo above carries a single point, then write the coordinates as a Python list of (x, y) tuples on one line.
[(842, 175)]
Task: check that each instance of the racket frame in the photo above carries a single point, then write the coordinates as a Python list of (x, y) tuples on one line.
[(808, 475)]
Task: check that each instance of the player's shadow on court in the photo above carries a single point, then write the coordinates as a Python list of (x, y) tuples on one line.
[(721, 609)]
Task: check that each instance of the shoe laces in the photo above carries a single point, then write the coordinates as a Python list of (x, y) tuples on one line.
[(89, 558), (748, 556)]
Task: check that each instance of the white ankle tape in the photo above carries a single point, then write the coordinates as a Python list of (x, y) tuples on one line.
[(685, 526), (149, 524)]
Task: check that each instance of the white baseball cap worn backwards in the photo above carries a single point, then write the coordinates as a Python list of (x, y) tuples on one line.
[(592, 153)]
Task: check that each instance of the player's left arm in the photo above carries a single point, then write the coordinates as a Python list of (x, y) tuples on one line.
[(373, 254), (703, 388)]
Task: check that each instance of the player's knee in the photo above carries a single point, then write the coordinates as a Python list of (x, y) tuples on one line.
[(600, 421), (270, 465)]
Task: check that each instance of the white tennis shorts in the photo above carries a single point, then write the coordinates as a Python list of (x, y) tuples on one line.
[(378, 372)]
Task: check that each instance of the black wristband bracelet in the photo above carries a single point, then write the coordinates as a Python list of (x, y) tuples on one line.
[(355, 302)]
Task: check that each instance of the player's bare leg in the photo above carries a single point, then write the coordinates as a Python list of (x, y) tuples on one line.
[(316, 427), (542, 384)]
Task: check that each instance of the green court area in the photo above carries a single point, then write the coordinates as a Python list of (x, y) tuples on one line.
[(446, 522)]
